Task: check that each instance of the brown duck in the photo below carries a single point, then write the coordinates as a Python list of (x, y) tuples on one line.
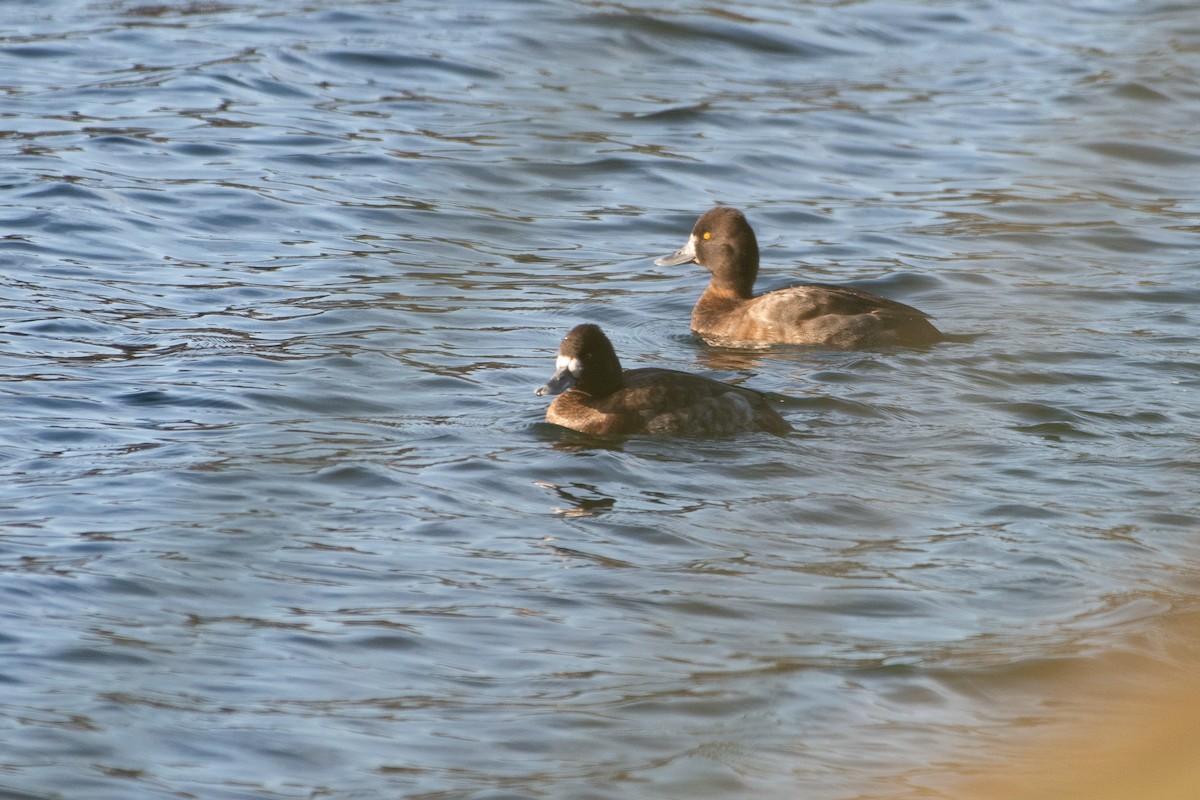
[(728, 313), (596, 396)]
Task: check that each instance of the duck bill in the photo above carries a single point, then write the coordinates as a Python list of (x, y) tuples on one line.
[(681, 256), (564, 377)]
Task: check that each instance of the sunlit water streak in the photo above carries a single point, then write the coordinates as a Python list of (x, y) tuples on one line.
[(281, 517)]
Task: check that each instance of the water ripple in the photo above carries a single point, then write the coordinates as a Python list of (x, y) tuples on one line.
[(280, 282)]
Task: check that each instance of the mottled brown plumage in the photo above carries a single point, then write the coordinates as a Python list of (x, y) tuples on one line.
[(728, 313), (598, 397)]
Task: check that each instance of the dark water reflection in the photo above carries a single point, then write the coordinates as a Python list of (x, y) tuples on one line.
[(280, 515)]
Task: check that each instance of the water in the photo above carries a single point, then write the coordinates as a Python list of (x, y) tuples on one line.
[(280, 514)]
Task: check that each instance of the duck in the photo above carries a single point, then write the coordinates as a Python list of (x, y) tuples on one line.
[(729, 313), (595, 396)]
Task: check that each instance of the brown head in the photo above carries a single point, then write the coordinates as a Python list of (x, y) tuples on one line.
[(722, 242), (586, 363)]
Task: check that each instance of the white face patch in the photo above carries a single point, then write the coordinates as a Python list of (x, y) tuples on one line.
[(688, 252), (571, 365), (682, 256)]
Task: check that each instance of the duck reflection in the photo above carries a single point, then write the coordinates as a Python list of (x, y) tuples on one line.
[(731, 360), (580, 505)]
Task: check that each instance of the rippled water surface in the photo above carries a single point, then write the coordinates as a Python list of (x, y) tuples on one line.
[(280, 515)]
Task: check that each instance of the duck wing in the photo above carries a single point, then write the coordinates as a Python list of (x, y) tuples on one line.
[(669, 401), (820, 299)]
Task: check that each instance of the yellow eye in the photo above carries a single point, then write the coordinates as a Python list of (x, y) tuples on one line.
[(707, 235)]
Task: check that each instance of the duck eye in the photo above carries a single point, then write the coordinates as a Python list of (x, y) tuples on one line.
[(707, 235)]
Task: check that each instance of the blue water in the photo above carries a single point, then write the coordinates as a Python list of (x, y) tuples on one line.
[(280, 517)]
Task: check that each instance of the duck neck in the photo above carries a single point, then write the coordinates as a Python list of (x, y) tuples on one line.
[(721, 295), (730, 279), (602, 377)]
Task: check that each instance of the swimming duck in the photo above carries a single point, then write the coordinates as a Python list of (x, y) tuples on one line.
[(728, 313), (597, 397)]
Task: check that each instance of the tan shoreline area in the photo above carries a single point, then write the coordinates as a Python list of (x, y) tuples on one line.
[(1132, 728)]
